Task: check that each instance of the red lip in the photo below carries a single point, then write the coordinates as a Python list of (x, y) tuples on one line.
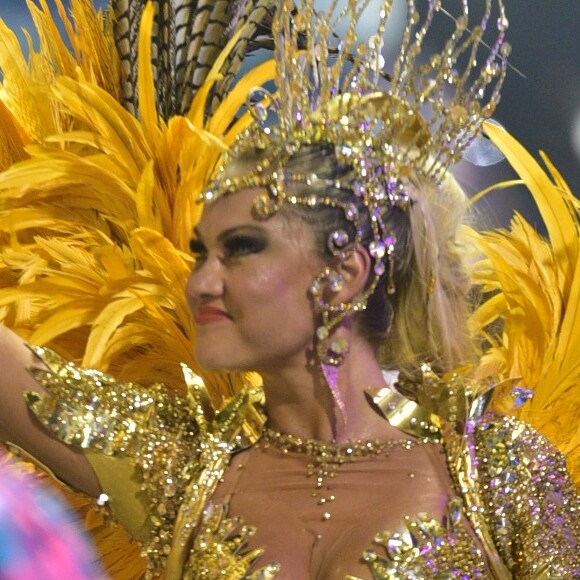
[(208, 314)]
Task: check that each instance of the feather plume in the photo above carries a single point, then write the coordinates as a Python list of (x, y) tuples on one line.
[(187, 38), (97, 215), (534, 286), (97, 206)]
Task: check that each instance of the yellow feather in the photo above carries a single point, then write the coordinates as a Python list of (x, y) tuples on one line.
[(93, 44), (119, 132), (21, 94), (72, 181), (551, 200), (51, 39), (12, 139), (236, 98), (160, 257), (149, 206), (79, 313), (538, 301), (109, 318), (146, 86)]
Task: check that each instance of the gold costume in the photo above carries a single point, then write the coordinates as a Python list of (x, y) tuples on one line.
[(160, 459)]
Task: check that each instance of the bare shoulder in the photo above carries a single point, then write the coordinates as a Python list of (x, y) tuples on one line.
[(19, 427)]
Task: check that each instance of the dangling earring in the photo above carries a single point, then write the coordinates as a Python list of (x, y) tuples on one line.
[(330, 350)]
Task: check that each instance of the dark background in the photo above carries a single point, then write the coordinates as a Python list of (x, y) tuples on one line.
[(541, 108)]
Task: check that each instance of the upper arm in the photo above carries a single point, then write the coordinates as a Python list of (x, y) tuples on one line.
[(19, 426), (532, 502)]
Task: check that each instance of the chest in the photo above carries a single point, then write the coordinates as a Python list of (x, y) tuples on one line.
[(317, 520)]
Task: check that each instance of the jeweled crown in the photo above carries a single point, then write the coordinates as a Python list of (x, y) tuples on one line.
[(422, 113)]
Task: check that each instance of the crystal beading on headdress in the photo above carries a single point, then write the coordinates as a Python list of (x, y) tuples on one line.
[(418, 117)]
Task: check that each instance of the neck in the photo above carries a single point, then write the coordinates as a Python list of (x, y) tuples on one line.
[(299, 401)]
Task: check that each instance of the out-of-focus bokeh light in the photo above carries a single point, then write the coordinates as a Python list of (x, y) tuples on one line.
[(575, 134)]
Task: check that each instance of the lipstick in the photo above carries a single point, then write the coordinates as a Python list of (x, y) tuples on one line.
[(208, 314)]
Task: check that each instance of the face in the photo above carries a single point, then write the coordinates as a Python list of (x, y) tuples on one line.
[(249, 289)]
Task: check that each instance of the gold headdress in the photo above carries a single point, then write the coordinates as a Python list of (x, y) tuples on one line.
[(418, 118)]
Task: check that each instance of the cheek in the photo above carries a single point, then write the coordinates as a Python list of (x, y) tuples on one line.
[(283, 284), (189, 293)]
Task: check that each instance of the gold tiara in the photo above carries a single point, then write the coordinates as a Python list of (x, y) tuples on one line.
[(423, 112)]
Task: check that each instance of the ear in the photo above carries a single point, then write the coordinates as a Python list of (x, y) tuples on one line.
[(354, 269)]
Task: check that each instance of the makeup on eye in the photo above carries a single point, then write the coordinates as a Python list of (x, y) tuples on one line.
[(232, 243), (243, 244), (197, 249)]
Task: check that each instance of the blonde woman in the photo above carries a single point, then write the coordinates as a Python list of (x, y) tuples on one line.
[(328, 259)]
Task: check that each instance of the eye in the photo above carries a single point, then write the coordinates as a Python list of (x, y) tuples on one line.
[(243, 245), (197, 249)]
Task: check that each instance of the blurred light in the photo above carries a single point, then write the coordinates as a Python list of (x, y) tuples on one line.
[(575, 133)]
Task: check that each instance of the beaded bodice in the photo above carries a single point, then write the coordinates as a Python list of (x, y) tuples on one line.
[(513, 512)]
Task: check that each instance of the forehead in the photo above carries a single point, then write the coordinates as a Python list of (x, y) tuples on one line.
[(235, 210), (229, 211)]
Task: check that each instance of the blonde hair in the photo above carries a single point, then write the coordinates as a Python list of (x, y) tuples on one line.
[(431, 304)]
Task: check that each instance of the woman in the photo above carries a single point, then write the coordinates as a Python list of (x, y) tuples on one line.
[(324, 238)]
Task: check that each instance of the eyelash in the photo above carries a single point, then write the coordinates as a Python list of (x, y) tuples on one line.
[(198, 250), (235, 247), (238, 246)]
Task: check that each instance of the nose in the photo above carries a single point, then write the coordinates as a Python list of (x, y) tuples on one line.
[(205, 282)]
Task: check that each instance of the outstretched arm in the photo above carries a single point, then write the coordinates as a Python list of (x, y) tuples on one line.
[(19, 426)]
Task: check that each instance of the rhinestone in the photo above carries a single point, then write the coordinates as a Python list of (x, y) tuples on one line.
[(264, 205), (377, 249), (322, 332), (314, 288), (103, 499), (339, 239), (260, 112), (351, 212), (339, 346), (455, 510), (395, 546), (335, 281)]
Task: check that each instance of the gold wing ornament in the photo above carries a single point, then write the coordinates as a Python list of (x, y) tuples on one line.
[(159, 458), (530, 317)]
